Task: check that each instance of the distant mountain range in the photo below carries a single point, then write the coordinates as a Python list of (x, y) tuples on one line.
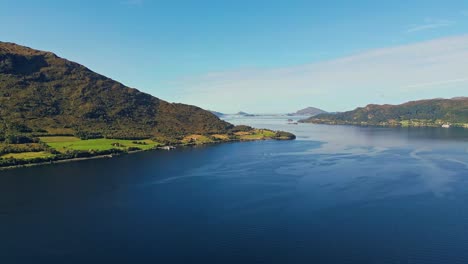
[(219, 114), (309, 111), (433, 112)]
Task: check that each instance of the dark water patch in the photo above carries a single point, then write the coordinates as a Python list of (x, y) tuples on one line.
[(353, 195)]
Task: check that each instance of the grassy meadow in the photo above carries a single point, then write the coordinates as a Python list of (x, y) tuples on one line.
[(257, 134), (28, 155), (64, 144), (54, 148)]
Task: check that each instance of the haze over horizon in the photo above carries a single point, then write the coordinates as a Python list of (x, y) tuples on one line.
[(254, 57)]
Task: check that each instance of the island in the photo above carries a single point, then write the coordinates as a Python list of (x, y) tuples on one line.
[(308, 111), (241, 113), (54, 110)]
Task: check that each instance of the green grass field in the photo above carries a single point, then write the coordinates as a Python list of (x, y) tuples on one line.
[(258, 134), (63, 144), (197, 139), (28, 155)]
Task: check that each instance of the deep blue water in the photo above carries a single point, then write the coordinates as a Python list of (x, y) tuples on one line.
[(338, 194)]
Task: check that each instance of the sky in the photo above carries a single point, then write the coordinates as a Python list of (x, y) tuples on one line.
[(257, 56)]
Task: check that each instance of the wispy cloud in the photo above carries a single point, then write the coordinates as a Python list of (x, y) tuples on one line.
[(430, 24), (429, 69), (437, 83)]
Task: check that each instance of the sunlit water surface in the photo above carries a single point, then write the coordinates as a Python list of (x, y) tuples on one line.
[(337, 194)]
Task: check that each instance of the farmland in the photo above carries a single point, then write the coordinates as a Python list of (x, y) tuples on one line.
[(64, 144)]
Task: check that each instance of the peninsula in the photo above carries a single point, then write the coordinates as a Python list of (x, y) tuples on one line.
[(53, 109)]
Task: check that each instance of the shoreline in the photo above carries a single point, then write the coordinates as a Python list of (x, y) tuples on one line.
[(109, 156), (63, 161), (465, 126)]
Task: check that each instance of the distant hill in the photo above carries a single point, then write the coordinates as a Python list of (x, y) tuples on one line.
[(244, 114), (218, 114), (43, 93), (309, 111), (434, 112)]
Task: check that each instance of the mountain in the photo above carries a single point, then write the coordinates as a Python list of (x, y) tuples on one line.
[(309, 111), (52, 109), (43, 93), (433, 112)]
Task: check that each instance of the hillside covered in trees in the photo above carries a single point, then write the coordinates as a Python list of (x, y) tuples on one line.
[(53, 109), (434, 112), (42, 93)]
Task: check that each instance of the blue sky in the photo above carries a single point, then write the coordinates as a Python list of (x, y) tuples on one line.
[(257, 56)]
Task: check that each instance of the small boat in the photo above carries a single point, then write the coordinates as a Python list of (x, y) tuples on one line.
[(167, 148)]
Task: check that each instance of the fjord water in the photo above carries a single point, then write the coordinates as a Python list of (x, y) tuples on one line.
[(337, 194)]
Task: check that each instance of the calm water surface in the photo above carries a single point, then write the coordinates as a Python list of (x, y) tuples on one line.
[(338, 194)]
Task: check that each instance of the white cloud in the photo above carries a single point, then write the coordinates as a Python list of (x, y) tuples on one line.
[(430, 24), (438, 83), (429, 69)]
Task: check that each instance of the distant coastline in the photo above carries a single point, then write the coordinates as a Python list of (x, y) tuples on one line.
[(404, 123), (439, 112)]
